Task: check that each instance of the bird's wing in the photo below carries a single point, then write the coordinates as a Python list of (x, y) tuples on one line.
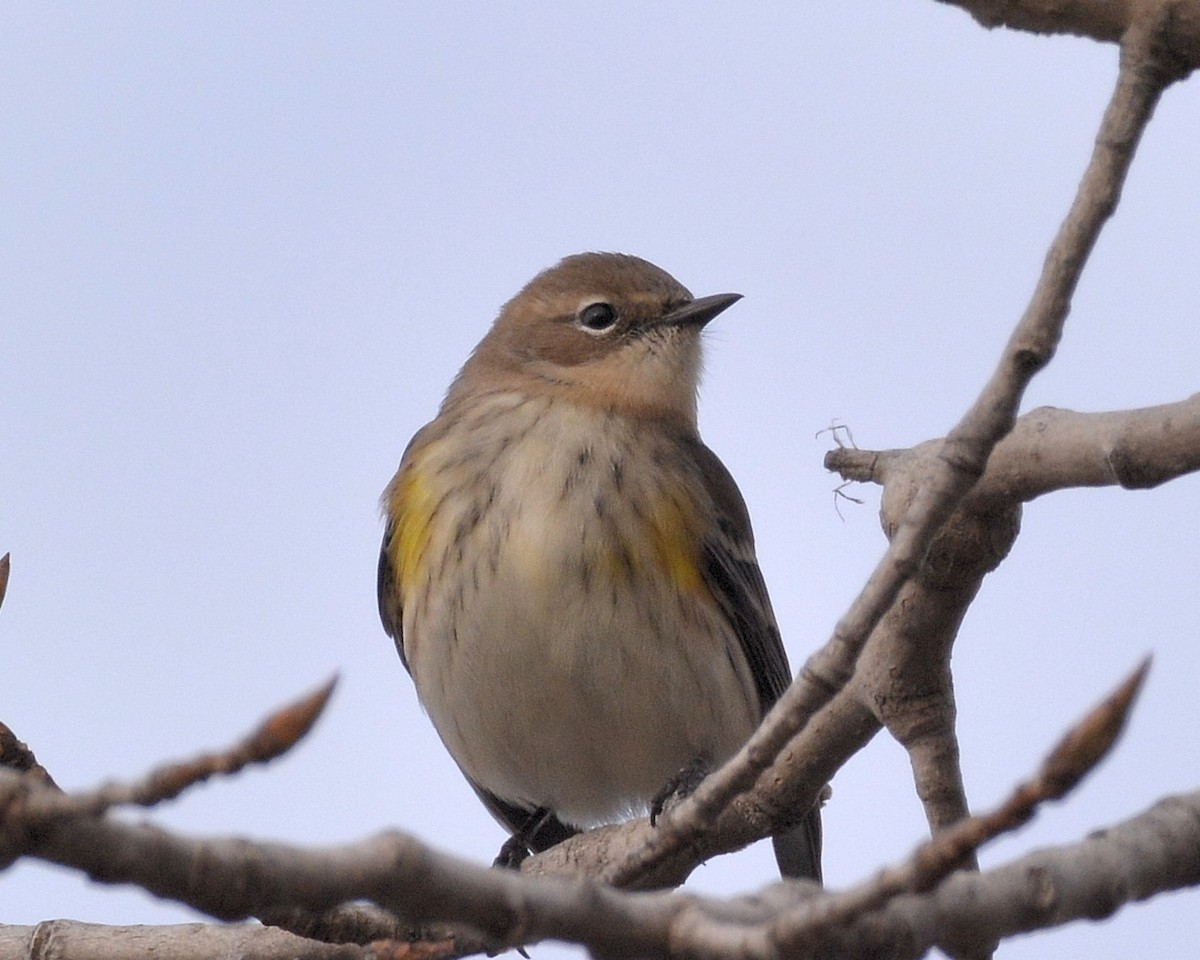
[(407, 512), (397, 512), (387, 591), (732, 575)]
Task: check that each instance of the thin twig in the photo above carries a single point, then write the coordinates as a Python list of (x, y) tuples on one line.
[(273, 737), (5, 567), (16, 755)]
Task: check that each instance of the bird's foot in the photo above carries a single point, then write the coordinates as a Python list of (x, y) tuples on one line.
[(680, 786), (512, 854)]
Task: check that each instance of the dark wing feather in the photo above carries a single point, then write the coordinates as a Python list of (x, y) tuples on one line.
[(736, 582), (387, 592), (733, 576)]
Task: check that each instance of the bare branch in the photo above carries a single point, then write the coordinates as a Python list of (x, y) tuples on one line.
[(16, 755), (234, 879), (811, 927), (365, 923), (1054, 449), (959, 460), (184, 941), (1155, 852), (903, 677), (1076, 754), (1107, 22), (277, 734)]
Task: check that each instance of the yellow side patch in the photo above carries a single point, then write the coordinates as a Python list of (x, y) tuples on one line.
[(676, 542), (411, 505)]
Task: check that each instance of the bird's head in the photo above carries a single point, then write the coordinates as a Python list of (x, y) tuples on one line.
[(605, 329)]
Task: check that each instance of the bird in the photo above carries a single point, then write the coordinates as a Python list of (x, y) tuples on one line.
[(568, 572)]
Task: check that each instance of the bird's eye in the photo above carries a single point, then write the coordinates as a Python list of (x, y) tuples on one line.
[(598, 317)]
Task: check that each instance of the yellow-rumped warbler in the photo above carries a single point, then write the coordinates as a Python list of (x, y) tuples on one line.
[(568, 571)]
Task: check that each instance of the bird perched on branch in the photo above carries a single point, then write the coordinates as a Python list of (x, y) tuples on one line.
[(569, 572)]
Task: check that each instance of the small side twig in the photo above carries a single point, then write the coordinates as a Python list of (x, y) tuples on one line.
[(5, 566), (276, 735), (16, 755)]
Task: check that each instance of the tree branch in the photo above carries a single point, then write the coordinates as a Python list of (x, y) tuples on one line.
[(184, 941), (236, 879), (1152, 853), (1053, 449), (949, 474), (1106, 22)]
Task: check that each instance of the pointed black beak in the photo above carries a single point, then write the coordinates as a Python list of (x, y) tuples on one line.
[(698, 312)]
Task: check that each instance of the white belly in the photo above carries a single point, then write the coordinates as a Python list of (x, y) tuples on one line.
[(559, 671)]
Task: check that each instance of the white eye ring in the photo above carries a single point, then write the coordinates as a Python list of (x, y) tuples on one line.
[(597, 318)]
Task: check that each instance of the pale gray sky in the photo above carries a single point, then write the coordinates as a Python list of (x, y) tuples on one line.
[(244, 248)]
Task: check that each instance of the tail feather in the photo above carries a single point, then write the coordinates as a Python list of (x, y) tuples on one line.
[(798, 849)]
